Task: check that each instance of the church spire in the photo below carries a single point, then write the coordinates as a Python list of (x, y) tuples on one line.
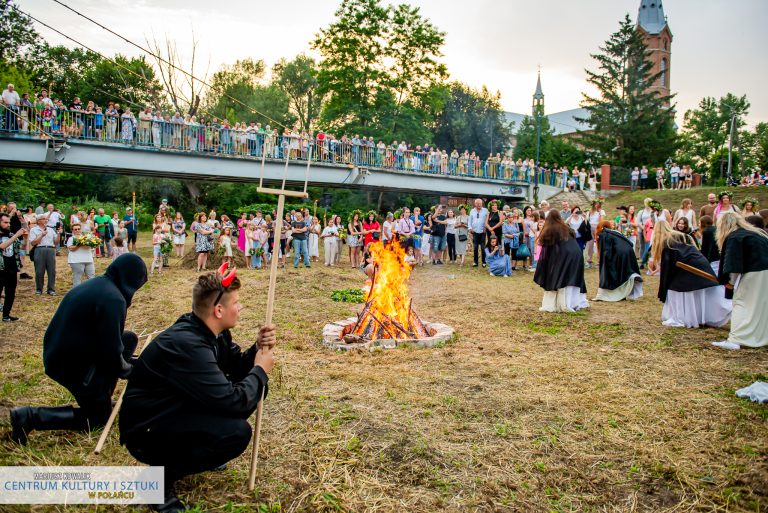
[(650, 16), (538, 96)]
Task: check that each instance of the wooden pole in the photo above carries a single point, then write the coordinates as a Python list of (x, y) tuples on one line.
[(118, 404), (270, 311), (697, 272)]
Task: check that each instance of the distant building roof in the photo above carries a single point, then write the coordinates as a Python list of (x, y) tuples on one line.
[(561, 122), (650, 16)]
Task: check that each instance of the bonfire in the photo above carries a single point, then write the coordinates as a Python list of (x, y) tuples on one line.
[(387, 313)]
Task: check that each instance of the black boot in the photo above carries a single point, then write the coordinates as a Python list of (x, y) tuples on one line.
[(172, 503), (27, 418)]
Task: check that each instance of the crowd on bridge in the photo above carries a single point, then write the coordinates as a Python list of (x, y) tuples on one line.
[(153, 128)]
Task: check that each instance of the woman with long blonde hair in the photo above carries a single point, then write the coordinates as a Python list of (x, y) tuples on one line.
[(744, 272), (690, 300)]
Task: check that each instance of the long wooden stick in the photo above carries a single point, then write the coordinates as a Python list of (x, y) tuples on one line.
[(270, 311), (118, 404), (697, 272)]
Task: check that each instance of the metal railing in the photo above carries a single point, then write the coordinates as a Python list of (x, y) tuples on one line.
[(176, 134)]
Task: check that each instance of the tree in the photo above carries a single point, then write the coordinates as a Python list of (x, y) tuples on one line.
[(110, 80), (470, 119), (63, 69), (298, 79), (378, 67), (184, 89), (632, 124), (706, 130), (20, 44)]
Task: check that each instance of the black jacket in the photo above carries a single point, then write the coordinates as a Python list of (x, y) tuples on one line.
[(679, 280), (709, 246), (743, 252), (187, 369), (617, 260), (86, 330), (561, 265)]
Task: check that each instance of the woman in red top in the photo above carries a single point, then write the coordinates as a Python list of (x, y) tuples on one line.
[(370, 227)]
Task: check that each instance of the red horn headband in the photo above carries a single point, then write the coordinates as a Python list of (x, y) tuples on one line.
[(226, 280)]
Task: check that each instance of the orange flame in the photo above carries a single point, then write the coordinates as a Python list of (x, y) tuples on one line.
[(389, 293)]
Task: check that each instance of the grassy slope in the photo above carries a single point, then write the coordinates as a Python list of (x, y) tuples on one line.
[(604, 410)]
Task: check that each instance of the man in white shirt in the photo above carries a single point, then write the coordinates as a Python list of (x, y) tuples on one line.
[(674, 174), (145, 125), (43, 239), (477, 218), (387, 232), (11, 101), (634, 178)]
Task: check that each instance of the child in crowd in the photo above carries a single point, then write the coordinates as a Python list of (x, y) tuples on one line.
[(118, 247), (122, 232), (157, 239), (225, 241), (410, 258)]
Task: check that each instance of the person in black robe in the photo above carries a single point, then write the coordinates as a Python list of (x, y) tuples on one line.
[(560, 268), (744, 272), (690, 299), (618, 266), (187, 404), (708, 243), (86, 349)]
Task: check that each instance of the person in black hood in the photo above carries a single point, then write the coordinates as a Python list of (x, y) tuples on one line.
[(86, 350), (192, 390)]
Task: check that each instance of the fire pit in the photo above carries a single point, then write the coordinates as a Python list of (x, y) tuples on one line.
[(387, 319)]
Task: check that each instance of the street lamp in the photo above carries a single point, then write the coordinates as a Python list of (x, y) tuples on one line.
[(730, 147), (536, 167)]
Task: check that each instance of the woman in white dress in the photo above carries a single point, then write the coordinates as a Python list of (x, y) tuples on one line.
[(179, 236), (329, 236), (690, 300), (687, 212), (314, 237), (744, 272)]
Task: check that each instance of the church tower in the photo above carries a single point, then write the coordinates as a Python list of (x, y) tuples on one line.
[(538, 99), (652, 23)]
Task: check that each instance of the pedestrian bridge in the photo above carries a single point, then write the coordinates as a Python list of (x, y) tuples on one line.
[(93, 156)]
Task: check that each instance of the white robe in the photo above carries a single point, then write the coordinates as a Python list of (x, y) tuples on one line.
[(630, 289), (567, 299), (749, 322), (703, 307)]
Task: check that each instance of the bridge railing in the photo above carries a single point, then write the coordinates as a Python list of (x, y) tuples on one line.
[(174, 134)]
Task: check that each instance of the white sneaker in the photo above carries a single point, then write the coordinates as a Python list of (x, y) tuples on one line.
[(724, 344)]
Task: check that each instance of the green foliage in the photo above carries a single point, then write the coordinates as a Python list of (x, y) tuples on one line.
[(106, 81), (552, 149), (632, 123), (298, 79), (21, 79), (19, 41), (348, 295), (706, 131), (468, 119), (378, 65)]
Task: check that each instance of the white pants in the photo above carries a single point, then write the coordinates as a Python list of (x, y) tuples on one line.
[(330, 250), (79, 269)]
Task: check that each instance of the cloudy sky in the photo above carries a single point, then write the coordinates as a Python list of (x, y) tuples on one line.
[(719, 46)]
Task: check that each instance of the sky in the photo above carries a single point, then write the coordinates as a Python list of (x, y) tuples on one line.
[(719, 46)]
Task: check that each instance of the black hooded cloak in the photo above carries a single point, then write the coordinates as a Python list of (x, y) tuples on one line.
[(709, 245), (679, 280), (617, 260), (87, 329), (561, 265)]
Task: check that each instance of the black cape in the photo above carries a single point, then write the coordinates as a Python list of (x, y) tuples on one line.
[(743, 252), (617, 260), (561, 265), (86, 330), (674, 278), (709, 245), (187, 369)]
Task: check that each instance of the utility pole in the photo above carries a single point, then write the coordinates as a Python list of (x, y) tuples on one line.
[(730, 148)]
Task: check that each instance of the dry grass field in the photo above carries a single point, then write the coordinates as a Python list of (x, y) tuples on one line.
[(601, 410)]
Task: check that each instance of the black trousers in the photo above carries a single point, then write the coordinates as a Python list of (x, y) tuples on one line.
[(8, 281), (452, 247), (190, 444), (94, 393), (478, 244)]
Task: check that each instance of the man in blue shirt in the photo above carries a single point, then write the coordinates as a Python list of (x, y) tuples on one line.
[(132, 225), (418, 222)]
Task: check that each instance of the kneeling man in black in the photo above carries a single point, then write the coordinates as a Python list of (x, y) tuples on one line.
[(86, 350), (192, 389)]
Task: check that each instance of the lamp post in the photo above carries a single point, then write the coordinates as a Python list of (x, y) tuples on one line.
[(536, 167), (730, 148)]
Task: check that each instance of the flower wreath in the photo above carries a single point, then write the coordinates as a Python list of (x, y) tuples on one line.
[(753, 200), (724, 193), (368, 214), (656, 205), (494, 202), (359, 216), (596, 201)]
